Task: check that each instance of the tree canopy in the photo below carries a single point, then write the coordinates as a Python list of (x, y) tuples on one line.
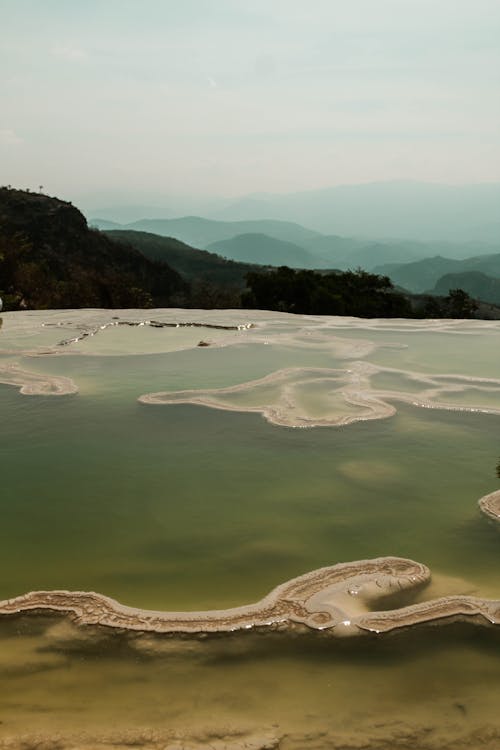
[(357, 293)]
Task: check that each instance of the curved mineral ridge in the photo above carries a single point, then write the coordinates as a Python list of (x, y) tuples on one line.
[(36, 384), (336, 599), (351, 386), (490, 505)]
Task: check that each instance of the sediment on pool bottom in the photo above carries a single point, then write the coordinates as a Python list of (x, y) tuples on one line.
[(379, 733), (401, 740)]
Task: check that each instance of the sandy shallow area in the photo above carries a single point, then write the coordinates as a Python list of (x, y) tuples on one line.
[(220, 694), (393, 735), (70, 688)]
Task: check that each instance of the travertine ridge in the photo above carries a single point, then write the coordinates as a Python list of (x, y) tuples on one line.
[(490, 505), (349, 388), (336, 599), (36, 384)]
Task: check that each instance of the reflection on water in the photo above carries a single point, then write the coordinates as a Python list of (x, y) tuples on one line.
[(181, 507)]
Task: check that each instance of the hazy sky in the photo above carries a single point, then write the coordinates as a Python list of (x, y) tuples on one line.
[(229, 97)]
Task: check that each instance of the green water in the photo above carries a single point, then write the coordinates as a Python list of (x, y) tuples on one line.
[(188, 507), (393, 381), (474, 354), (122, 377), (474, 397), (184, 506)]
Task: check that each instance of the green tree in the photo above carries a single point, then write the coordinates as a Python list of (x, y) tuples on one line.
[(460, 304)]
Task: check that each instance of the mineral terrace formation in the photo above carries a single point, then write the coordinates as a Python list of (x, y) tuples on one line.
[(490, 505), (336, 599)]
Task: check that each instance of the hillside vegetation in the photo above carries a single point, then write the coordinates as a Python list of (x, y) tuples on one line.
[(188, 261), (224, 283), (356, 293), (49, 258)]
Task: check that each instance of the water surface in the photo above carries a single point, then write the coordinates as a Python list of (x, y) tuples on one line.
[(180, 506)]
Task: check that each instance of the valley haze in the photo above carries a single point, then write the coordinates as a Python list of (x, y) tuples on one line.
[(399, 209), (368, 119)]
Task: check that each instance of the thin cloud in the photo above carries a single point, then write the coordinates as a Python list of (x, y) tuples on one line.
[(9, 137), (69, 52)]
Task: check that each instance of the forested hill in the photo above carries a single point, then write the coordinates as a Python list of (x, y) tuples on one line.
[(424, 274), (188, 261), (49, 258)]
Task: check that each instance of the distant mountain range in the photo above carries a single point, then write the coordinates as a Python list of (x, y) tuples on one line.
[(422, 211), (259, 248), (348, 252), (199, 232), (424, 274), (378, 210), (478, 285), (286, 243)]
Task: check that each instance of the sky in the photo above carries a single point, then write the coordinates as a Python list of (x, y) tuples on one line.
[(144, 98)]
